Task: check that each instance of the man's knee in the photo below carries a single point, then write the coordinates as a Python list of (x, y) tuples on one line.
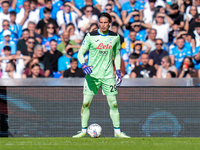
[(86, 104), (114, 104)]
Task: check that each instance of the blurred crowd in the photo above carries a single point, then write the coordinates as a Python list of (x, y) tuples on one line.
[(41, 38)]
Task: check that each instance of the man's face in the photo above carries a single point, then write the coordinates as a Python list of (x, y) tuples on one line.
[(30, 43), (152, 4), (38, 53), (136, 28), (173, 11), (49, 5), (9, 67), (198, 30), (66, 36), (180, 43), (53, 45), (33, 6), (114, 29), (152, 34), (6, 25), (74, 65), (108, 9), (159, 18), (12, 18), (47, 15), (132, 1), (7, 53), (31, 27), (25, 35), (144, 59), (132, 36), (26, 6), (197, 2), (35, 70), (67, 8), (104, 24), (5, 7), (158, 44), (88, 11), (136, 16), (7, 38)]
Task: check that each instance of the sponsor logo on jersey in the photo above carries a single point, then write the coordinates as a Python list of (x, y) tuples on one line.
[(102, 46), (103, 52), (97, 40)]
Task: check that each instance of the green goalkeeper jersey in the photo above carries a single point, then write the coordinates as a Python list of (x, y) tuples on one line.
[(101, 47)]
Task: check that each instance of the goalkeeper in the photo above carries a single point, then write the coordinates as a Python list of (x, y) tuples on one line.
[(99, 72)]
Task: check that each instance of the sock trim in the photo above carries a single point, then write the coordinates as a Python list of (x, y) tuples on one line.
[(116, 127), (84, 128)]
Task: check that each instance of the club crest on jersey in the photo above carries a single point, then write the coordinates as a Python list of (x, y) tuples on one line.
[(102, 46), (83, 42)]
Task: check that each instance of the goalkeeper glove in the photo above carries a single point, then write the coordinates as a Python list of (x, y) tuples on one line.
[(86, 69), (118, 77)]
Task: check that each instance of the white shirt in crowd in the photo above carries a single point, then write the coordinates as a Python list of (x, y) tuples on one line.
[(61, 20), (32, 17), (102, 3), (162, 31), (148, 16), (19, 68)]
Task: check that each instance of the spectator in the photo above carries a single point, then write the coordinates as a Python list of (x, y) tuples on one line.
[(116, 7), (15, 67), (148, 13), (196, 35), (48, 35), (25, 15), (43, 22), (161, 28), (93, 27), (144, 70), (165, 67), (67, 16), (195, 3), (54, 9), (35, 72), (176, 16), (171, 74), (5, 58), (6, 42), (187, 67), (128, 7), (43, 60), (184, 4), (30, 46), (133, 61), (156, 56), (16, 29), (21, 45), (87, 19), (5, 14), (19, 5), (135, 15), (73, 71), (179, 52), (84, 3), (27, 71), (33, 7), (196, 56), (31, 27), (77, 37), (66, 43), (152, 39), (53, 55), (115, 28)]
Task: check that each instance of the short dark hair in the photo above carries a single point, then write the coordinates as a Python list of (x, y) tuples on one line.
[(7, 48), (31, 38), (152, 1), (34, 1), (173, 75), (174, 6), (5, 2), (115, 24), (46, 10), (132, 30), (180, 37), (105, 15), (70, 24), (26, 30), (134, 56), (12, 64), (73, 59), (35, 65), (47, 1), (5, 20), (53, 40), (13, 13), (108, 5)]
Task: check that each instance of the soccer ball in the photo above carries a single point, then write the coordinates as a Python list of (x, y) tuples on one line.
[(94, 130)]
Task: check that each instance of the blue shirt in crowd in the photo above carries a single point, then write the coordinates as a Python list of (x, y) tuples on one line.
[(19, 5), (180, 55), (81, 3), (12, 46), (46, 41), (195, 51), (13, 37), (127, 7)]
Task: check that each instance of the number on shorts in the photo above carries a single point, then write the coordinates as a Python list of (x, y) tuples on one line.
[(113, 88)]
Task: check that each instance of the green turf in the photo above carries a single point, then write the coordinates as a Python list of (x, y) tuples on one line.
[(99, 144)]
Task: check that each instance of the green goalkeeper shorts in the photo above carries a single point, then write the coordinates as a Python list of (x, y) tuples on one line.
[(92, 85)]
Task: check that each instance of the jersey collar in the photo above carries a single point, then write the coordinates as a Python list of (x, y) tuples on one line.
[(102, 33)]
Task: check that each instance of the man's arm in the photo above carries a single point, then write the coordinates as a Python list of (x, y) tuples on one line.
[(171, 22), (123, 15), (75, 9), (25, 58), (133, 75)]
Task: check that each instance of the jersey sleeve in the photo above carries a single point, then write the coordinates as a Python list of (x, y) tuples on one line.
[(84, 47), (117, 56), (195, 51)]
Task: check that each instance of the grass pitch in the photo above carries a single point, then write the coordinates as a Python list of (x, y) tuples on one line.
[(67, 143)]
